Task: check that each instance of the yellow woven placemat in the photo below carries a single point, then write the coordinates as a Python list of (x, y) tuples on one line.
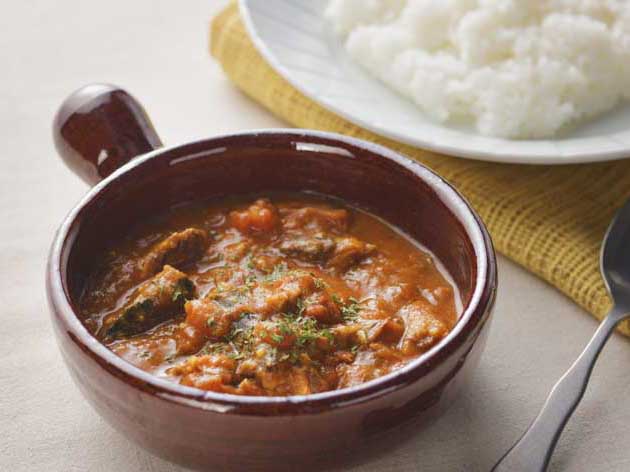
[(550, 219)]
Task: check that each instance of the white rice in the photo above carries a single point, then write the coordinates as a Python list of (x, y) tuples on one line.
[(514, 68)]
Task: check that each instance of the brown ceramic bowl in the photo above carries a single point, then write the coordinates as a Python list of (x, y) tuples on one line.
[(100, 129)]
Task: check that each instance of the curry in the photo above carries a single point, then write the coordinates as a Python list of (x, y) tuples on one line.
[(291, 296)]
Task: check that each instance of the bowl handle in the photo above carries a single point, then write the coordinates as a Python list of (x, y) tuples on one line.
[(99, 128)]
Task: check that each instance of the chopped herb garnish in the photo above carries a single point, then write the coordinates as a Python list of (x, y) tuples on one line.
[(285, 328), (278, 271), (250, 281), (350, 311), (299, 305)]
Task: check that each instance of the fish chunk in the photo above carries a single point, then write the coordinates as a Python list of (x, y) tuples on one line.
[(177, 250), (158, 299)]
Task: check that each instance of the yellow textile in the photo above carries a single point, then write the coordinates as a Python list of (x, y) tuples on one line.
[(550, 219)]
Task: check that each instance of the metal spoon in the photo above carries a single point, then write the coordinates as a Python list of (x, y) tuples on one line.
[(532, 451)]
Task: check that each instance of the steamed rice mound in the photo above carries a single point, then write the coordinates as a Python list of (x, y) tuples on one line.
[(514, 68)]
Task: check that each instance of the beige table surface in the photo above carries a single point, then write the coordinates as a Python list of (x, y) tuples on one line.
[(157, 50)]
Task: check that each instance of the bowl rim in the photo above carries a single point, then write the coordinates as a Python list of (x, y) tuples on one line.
[(474, 313)]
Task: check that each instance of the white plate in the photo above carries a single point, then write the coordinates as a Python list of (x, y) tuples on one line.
[(294, 38)]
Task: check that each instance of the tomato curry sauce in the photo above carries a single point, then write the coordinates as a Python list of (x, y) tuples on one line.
[(289, 296)]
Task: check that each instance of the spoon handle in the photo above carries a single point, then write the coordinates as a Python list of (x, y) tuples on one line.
[(532, 451)]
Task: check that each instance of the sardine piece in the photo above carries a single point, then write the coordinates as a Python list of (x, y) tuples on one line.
[(177, 250), (158, 299)]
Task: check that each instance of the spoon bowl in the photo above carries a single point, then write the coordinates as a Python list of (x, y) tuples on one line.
[(615, 257)]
